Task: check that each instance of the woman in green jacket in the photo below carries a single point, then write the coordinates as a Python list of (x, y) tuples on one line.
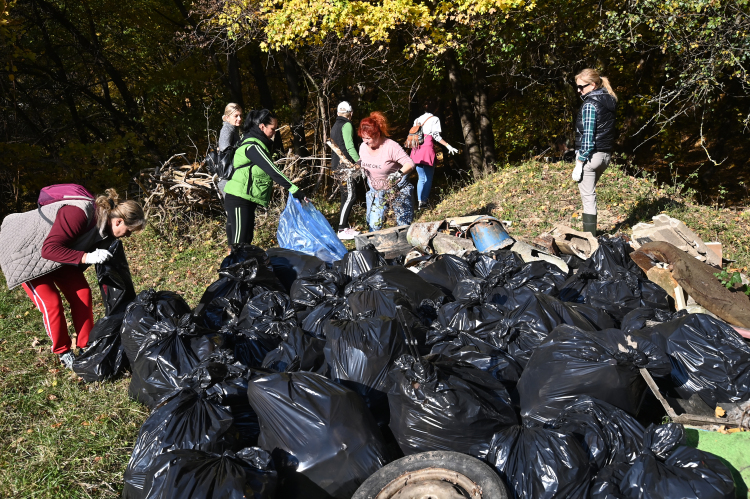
[(253, 177)]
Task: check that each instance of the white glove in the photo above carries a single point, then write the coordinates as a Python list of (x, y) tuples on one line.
[(97, 256), (395, 177), (451, 149), (578, 171)]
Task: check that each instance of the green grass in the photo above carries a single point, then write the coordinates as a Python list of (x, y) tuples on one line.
[(62, 438)]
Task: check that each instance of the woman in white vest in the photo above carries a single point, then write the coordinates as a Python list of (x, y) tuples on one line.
[(47, 249)]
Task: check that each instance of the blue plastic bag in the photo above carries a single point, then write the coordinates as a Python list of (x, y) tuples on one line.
[(303, 228)]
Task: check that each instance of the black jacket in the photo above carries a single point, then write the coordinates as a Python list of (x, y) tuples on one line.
[(337, 137), (604, 135)]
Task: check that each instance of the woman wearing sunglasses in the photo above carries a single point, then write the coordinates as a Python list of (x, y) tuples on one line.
[(595, 138)]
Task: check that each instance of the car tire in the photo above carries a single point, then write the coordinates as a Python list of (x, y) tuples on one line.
[(436, 470)]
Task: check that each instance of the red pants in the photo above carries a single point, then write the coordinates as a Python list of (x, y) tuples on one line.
[(45, 293)]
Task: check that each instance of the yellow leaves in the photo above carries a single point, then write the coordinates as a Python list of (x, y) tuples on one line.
[(292, 23)]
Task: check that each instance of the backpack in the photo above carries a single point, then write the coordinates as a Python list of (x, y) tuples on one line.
[(63, 192), (221, 163), (416, 135)]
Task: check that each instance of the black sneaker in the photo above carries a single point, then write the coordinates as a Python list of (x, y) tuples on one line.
[(422, 205), (67, 358)]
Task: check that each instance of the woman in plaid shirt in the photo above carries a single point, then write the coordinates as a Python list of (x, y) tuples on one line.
[(595, 138)]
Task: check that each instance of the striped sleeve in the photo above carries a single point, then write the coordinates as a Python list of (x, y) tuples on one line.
[(259, 158)]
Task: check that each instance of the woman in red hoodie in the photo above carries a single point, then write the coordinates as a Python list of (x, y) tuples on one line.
[(46, 251)]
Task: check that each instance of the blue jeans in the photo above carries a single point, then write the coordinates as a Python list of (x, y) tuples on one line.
[(424, 183), (402, 199)]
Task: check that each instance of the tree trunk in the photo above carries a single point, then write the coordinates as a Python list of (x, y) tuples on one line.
[(261, 81), (472, 150), (482, 104), (298, 102), (233, 79)]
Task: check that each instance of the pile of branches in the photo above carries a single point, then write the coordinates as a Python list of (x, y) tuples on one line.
[(174, 192), (178, 192)]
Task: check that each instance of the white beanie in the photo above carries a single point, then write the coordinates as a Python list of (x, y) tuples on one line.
[(344, 107)]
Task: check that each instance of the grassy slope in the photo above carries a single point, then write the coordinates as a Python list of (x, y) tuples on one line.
[(62, 438)]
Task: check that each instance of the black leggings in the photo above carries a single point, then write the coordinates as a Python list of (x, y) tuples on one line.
[(348, 198), (240, 219)]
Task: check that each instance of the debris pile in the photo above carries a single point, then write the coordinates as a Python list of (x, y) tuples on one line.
[(297, 378)]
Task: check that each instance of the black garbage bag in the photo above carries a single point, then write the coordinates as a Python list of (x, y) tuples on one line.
[(225, 382), (471, 290), (644, 317), (392, 279), (115, 281), (358, 262), (376, 303), (173, 350), (242, 252), (148, 308), (495, 266), (333, 308), (187, 418), (572, 261), (289, 265), (104, 358), (270, 313), (666, 468), (445, 271), (526, 327), (481, 319), (189, 474), (608, 434), (540, 463), (572, 362), (325, 441), (298, 351), (471, 349), (596, 316), (610, 280), (237, 284), (311, 290), (441, 404), (606, 483), (360, 354), (249, 346), (707, 356), (540, 276)]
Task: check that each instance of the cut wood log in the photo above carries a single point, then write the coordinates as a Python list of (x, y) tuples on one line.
[(698, 280)]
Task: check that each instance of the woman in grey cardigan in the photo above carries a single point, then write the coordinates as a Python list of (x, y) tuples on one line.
[(230, 131)]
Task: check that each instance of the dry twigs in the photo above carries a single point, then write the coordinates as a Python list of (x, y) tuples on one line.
[(178, 192)]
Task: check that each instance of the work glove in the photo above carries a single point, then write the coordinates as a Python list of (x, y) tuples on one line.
[(395, 178), (578, 171), (97, 256), (300, 196), (451, 149)]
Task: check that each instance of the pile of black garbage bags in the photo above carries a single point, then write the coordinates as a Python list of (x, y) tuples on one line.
[(294, 378)]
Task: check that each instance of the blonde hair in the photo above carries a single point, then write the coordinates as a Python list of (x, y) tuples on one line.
[(590, 75), (109, 206), (230, 109)]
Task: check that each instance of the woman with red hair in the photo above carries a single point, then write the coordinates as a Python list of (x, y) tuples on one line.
[(387, 167)]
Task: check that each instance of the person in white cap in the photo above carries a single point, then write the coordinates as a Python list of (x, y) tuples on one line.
[(342, 134)]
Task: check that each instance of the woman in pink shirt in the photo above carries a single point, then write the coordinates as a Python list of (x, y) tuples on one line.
[(387, 167)]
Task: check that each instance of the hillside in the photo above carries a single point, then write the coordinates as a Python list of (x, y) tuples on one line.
[(62, 438)]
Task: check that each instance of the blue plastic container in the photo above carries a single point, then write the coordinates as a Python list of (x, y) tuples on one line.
[(489, 234)]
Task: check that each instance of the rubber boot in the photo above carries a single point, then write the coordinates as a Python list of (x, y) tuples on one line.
[(589, 224)]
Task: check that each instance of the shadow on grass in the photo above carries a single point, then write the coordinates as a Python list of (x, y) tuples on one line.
[(644, 210)]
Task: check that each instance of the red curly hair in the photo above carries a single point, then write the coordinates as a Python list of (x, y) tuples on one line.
[(374, 125)]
